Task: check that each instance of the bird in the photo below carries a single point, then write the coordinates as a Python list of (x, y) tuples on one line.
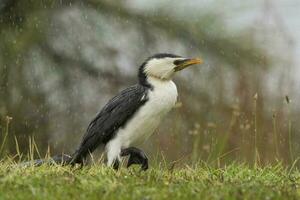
[(133, 114)]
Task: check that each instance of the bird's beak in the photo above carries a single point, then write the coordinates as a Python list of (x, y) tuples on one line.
[(188, 62)]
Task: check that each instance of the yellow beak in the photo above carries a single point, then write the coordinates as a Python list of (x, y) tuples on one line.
[(188, 62)]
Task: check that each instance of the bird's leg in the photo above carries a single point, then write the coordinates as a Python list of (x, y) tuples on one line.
[(116, 164), (113, 154), (136, 156)]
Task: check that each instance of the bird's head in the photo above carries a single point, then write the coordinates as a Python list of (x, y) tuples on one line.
[(163, 66)]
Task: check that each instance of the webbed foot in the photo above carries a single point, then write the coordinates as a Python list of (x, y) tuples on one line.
[(136, 156)]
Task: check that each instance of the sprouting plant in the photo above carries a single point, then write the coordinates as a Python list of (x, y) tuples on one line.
[(7, 120), (275, 135), (256, 156), (288, 101)]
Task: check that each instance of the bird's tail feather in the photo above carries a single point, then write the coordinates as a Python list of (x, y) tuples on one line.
[(77, 157), (62, 159)]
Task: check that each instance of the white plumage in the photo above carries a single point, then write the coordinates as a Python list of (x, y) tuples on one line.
[(161, 99)]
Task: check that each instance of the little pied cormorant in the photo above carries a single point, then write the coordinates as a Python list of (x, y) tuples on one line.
[(133, 114)]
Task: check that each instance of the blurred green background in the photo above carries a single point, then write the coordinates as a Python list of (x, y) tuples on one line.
[(61, 60)]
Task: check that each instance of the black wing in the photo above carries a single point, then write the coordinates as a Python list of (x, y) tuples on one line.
[(113, 116)]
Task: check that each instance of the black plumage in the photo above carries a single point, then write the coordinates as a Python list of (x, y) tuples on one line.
[(113, 116)]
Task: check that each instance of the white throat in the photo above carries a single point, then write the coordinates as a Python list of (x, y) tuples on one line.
[(158, 82)]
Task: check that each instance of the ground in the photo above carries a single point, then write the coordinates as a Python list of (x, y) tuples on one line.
[(234, 181)]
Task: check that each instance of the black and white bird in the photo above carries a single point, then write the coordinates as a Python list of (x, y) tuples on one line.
[(132, 115)]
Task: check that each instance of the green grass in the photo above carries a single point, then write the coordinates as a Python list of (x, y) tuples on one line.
[(99, 182)]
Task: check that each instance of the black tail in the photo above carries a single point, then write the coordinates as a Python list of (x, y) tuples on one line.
[(62, 159), (78, 157)]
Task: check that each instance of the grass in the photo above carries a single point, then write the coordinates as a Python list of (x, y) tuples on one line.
[(202, 181), (235, 181)]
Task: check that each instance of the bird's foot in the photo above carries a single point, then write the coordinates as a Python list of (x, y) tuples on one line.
[(116, 165), (136, 156)]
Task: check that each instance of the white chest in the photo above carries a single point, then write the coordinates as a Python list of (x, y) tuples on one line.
[(160, 101)]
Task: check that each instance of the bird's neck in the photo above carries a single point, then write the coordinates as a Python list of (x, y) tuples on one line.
[(146, 79), (143, 80), (155, 81)]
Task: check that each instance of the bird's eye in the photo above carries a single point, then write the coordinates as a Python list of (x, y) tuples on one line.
[(178, 62)]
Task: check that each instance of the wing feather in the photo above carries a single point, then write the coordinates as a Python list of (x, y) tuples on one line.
[(113, 116)]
